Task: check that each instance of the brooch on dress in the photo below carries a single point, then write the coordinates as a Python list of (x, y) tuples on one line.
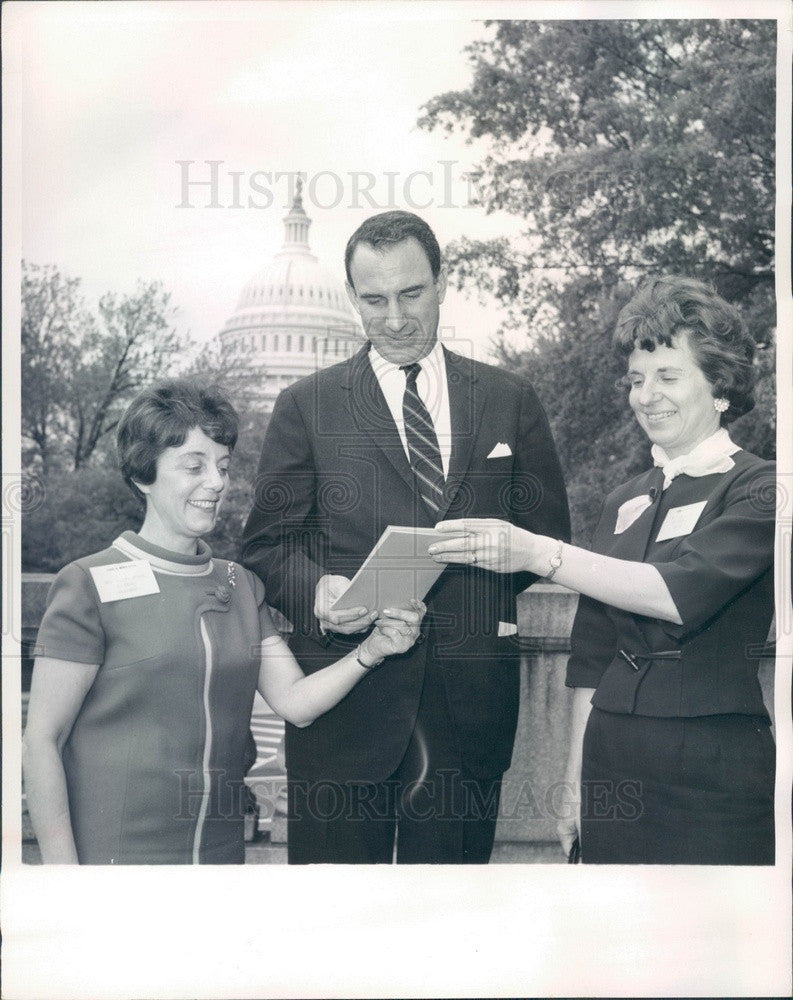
[(222, 592)]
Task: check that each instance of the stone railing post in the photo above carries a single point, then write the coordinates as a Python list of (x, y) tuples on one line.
[(545, 617)]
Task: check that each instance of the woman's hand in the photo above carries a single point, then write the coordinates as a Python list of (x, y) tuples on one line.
[(495, 545), (395, 631)]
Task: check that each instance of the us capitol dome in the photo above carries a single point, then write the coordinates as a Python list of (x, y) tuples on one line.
[(293, 317)]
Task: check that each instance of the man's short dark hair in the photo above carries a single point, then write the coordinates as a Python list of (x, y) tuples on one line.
[(389, 228), (162, 416)]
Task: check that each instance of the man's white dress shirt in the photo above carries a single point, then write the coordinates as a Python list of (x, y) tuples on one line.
[(433, 389)]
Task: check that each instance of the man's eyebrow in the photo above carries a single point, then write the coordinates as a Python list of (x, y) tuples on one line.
[(402, 291)]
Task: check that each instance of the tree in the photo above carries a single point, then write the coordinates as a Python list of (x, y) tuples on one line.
[(81, 511), (54, 322), (80, 371), (629, 148), (134, 345)]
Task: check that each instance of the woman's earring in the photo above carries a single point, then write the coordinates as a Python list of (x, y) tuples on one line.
[(721, 405)]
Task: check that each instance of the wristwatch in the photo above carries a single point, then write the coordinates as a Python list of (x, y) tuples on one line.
[(555, 561)]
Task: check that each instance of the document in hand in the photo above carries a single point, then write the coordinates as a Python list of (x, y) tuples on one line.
[(397, 569)]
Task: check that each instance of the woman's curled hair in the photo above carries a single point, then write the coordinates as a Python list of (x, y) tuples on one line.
[(162, 416), (724, 350)]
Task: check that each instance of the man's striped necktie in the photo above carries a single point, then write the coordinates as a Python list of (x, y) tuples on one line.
[(425, 455)]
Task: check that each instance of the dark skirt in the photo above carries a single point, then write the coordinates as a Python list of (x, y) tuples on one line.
[(686, 791)]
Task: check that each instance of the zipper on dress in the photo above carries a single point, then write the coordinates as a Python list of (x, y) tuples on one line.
[(202, 813)]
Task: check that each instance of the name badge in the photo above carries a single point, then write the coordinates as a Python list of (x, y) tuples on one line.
[(680, 520), (630, 511), (120, 581)]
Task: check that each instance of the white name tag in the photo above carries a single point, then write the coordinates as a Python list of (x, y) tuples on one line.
[(630, 511), (120, 581), (680, 521)]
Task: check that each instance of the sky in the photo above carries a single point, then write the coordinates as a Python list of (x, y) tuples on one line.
[(122, 107)]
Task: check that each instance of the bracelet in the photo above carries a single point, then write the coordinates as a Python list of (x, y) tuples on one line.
[(555, 561), (367, 666)]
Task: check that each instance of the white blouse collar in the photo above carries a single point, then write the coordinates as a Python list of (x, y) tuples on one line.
[(710, 456)]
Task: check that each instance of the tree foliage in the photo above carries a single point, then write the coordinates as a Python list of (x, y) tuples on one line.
[(54, 322), (627, 148), (80, 370), (79, 512)]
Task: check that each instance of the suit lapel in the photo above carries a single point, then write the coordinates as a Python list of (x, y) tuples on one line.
[(371, 416), (467, 397)]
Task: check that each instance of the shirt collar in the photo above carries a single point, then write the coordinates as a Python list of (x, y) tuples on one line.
[(433, 364)]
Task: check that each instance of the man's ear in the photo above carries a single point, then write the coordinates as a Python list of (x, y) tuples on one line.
[(352, 297), (441, 282)]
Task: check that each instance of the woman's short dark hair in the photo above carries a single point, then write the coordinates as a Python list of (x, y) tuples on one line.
[(716, 335), (162, 416), (389, 228)]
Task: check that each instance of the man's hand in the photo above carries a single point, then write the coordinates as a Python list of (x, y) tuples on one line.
[(348, 622)]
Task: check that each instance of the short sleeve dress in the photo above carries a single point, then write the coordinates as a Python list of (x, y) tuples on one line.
[(155, 761)]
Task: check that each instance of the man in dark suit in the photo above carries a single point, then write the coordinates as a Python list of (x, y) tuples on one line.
[(403, 433)]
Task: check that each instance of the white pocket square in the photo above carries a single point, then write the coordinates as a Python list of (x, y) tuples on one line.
[(501, 450)]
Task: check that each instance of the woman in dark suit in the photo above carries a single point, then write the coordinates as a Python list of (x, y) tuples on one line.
[(672, 759)]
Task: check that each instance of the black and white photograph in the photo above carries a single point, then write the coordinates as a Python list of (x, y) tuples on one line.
[(397, 495)]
